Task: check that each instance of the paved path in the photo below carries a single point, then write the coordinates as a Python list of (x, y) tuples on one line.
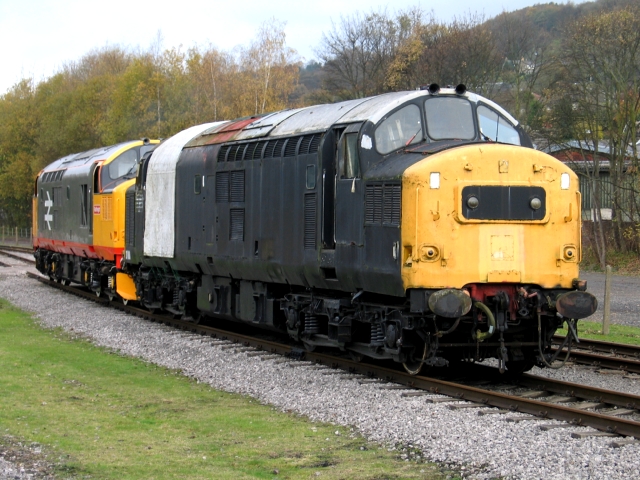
[(625, 298)]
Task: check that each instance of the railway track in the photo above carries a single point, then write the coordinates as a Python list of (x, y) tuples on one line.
[(612, 414), (596, 353), (11, 251)]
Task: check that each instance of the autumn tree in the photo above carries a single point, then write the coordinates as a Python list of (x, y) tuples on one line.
[(270, 71), (210, 74), (18, 128)]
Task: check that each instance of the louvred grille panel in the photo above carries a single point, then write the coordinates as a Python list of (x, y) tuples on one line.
[(130, 226), (290, 148), (222, 187), (310, 206), (223, 153), (236, 231), (383, 203), (237, 186)]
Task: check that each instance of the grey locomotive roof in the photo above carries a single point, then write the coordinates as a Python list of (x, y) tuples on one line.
[(322, 117), (264, 125), (318, 117), (82, 158)]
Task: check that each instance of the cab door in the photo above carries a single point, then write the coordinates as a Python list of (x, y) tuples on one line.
[(349, 196)]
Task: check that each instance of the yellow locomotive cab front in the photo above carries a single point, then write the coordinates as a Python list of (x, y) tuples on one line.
[(489, 213)]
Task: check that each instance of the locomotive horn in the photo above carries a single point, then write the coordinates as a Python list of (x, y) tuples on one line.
[(461, 89), (434, 88)]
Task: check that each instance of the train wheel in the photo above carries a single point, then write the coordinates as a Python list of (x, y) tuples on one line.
[(110, 296), (67, 283), (125, 301), (414, 366), (309, 347), (98, 292)]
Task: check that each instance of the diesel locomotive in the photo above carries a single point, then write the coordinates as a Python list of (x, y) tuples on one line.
[(417, 226)]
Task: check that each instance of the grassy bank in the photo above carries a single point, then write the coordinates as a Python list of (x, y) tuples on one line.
[(100, 415), (622, 263)]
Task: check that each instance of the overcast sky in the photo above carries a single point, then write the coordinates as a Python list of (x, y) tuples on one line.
[(37, 37)]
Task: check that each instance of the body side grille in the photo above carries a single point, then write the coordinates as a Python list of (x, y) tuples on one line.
[(130, 225), (237, 186), (310, 206), (236, 230), (222, 187)]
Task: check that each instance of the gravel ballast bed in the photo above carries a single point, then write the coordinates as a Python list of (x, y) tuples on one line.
[(478, 446)]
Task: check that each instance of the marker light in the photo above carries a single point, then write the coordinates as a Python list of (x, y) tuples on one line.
[(564, 181), (434, 180)]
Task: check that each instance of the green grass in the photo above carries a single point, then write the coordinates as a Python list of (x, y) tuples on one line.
[(617, 333), (101, 415)]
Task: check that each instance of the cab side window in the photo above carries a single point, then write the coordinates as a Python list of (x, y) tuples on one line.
[(111, 175), (495, 128), (123, 164), (402, 128), (349, 157)]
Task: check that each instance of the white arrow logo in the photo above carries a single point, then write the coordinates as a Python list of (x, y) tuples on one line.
[(47, 216)]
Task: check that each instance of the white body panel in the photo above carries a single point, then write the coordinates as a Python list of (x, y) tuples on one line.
[(160, 193)]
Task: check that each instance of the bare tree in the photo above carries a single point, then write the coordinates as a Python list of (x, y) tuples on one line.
[(358, 51), (524, 49), (463, 51), (601, 65), (271, 68)]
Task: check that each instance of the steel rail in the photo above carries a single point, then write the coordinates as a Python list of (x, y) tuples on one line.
[(598, 360), (458, 391), (593, 394), (17, 248), (3, 251), (601, 346), (597, 353)]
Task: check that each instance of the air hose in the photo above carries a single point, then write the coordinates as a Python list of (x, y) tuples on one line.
[(482, 336), (567, 342)]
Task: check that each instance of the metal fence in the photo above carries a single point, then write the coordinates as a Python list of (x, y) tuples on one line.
[(16, 236)]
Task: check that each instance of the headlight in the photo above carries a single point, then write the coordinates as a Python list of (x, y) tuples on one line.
[(473, 202), (434, 180), (565, 181), (535, 203)]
